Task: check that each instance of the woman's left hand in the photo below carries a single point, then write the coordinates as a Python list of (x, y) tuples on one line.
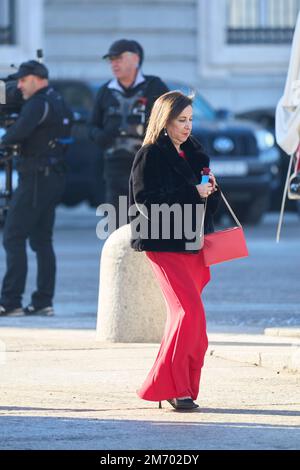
[(213, 182)]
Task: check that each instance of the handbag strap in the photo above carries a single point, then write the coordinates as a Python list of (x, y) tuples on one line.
[(228, 207)]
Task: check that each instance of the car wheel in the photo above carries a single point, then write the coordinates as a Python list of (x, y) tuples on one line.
[(252, 214)]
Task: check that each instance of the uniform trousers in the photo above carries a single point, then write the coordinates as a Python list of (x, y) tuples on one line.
[(116, 175), (31, 216)]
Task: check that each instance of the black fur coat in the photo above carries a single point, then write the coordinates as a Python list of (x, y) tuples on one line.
[(159, 175)]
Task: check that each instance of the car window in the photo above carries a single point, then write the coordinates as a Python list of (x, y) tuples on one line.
[(202, 110), (79, 97)]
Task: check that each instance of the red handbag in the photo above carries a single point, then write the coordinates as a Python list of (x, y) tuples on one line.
[(225, 245)]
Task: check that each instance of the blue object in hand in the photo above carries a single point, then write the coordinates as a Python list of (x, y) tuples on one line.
[(205, 179)]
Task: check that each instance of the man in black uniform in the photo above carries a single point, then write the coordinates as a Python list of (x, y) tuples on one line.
[(43, 124), (121, 113)]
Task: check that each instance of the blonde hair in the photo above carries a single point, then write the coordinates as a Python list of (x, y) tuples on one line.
[(166, 108)]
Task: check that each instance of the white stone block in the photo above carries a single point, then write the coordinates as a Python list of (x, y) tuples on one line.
[(131, 307)]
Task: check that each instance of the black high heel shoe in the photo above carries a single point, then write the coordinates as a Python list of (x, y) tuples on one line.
[(183, 404)]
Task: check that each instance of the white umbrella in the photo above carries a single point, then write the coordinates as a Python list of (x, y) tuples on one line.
[(287, 121), (288, 108)]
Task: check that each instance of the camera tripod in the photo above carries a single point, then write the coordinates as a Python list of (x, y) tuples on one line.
[(6, 162)]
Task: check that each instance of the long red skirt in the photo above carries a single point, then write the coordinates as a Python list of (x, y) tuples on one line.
[(177, 369)]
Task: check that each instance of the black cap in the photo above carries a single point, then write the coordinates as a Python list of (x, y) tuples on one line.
[(32, 67), (125, 45), (140, 51)]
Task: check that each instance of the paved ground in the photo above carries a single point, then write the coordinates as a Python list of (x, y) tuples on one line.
[(60, 389)]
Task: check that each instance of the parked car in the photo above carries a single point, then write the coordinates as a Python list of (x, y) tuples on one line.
[(85, 166), (266, 118), (243, 155)]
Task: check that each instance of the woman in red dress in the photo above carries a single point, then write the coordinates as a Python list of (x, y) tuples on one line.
[(166, 174)]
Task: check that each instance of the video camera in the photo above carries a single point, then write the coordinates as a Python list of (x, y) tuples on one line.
[(11, 99), (11, 102)]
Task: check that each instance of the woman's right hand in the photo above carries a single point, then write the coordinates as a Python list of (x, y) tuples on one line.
[(204, 189)]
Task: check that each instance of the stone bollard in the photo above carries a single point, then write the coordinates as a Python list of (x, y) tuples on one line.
[(131, 307)]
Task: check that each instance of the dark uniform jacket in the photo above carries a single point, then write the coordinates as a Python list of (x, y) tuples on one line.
[(106, 121), (160, 175), (43, 120)]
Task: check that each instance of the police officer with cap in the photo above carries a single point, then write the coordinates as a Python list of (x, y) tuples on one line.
[(120, 115), (41, 130)]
